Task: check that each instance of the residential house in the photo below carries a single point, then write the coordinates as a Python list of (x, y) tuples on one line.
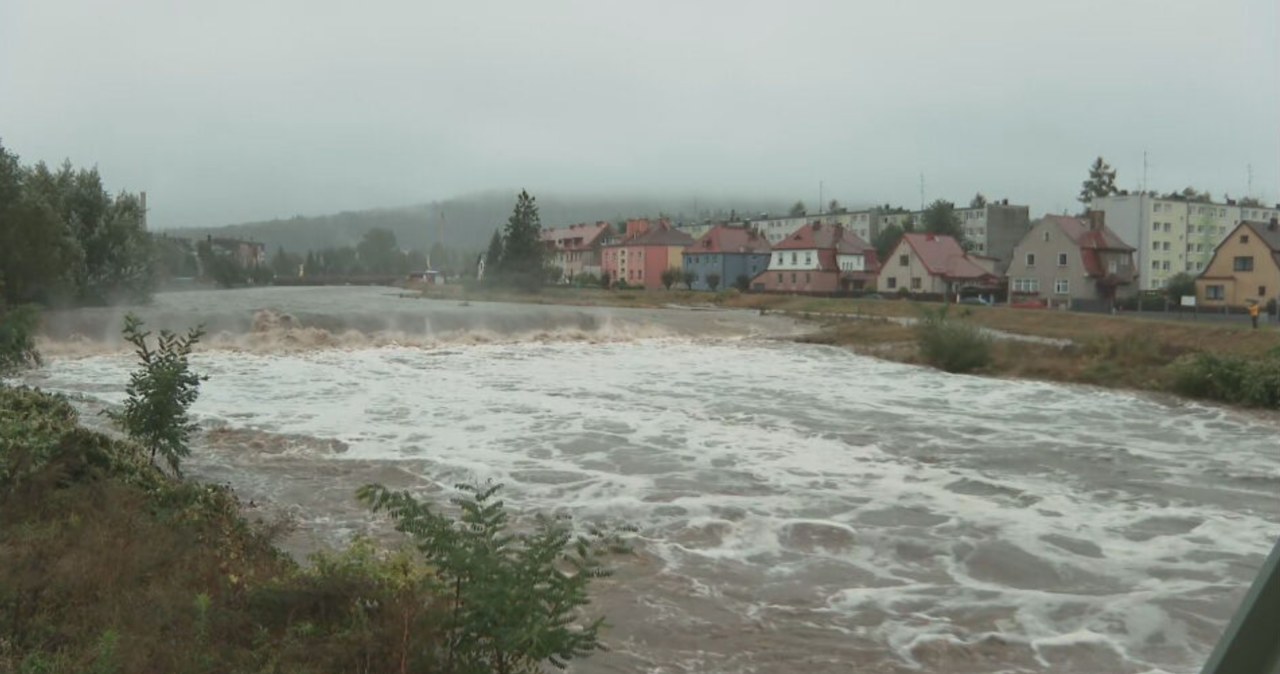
[(865, 223), (576, 249), (728, 252), (647, 250), (1245, 267), (935, 264), (993, 229), (819, 258), (1174, 234), (248, 254), (1072, 262)]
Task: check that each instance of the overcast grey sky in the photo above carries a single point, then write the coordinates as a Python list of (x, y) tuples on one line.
[(249, 109)]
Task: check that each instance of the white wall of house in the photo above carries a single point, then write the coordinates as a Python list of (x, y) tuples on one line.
[(792, 260), (851, 262)]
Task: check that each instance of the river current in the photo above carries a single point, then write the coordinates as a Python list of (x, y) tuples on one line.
[(797, 507)]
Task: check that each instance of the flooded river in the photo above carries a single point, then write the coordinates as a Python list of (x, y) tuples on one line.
[(799, 507)]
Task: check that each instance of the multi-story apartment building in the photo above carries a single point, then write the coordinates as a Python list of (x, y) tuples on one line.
[(994, 229), (865, 223), (1172, 234)]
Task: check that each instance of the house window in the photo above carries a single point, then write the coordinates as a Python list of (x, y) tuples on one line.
[(1062, 259), (1026, 285), (793, 258), (915, 283), (1165, 265), (1155, 266), (1166, 245), (793, 277), (893, 282), (807, 260), (1168, 227), (1243, 263), (1262, 291), (1244, 238), (1111, 267), (779, 278), (904, 260), (1214, 292), (1062, 286), (1046, 235), (1031, 259), (1155, 226), (1155, 245)]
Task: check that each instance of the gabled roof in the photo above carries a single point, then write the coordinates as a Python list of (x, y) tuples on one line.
[(661, 236), (1081, 234), (943, 256), (588, 233), (817, 235), (1268, 236), (727, 239)]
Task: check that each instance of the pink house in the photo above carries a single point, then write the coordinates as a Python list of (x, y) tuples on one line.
[(648, 250), (576, 249)]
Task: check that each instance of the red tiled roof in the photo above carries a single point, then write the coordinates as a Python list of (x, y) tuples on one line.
[(661, 235), (818, 235), (943, 256), (726, 239), (561, 237)]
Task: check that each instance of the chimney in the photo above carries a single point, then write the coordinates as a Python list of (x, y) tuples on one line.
[(1097, 219)]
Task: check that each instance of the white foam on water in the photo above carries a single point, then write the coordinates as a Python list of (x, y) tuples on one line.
[(807, 486)]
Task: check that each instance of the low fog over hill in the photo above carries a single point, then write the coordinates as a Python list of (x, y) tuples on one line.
[(467, 222)]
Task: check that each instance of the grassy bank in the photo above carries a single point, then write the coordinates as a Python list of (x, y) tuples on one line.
[(110, 565), (1227, 362)]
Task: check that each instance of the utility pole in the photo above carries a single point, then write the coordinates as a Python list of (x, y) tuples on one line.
[(1248, 194), (1144, 171), (819, 197), (922, 191)]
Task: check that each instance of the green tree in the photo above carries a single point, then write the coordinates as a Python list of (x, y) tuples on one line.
[(522, 243), (17, 338), (978, 201), (713, 281), (742, 283), (379, 252), (1101, 182), (689, 278), (886, 240), (516, 599), (670, 276), (1178, 285), (797, 209), (834, 207), (310, 267), (940, 218), (285, 265), (160, 392)]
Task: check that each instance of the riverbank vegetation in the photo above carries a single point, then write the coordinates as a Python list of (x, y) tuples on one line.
[(109, 563)]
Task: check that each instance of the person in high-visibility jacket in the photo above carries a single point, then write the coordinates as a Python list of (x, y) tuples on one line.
[(1253, 314)]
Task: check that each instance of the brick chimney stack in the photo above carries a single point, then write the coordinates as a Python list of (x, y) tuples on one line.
[(1097, 219)]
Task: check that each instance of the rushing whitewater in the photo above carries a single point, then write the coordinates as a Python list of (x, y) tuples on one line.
[(799, 508)]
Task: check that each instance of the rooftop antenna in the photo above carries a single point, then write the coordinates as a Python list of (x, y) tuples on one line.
[(1249, 193), (922, 191), (1144, 171), (819, 197)]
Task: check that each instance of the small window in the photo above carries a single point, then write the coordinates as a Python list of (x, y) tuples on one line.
[(1062, 286), (1168, 227), (806, 277), (807, 260), (779, 278), (1046, 235), (1062, 259), (915, 283), (904, 260), (1213, 292), (1262, 291), (793, 258), (1244, 238), (1031, 259), (1243, 264), (1155, 245), (1165, 265), (1155, 226), (1166, 245), (1155, 266), (893, 282), (793, 277)]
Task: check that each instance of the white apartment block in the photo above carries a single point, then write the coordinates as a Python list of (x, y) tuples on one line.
[(865, 223), (1173, 235)]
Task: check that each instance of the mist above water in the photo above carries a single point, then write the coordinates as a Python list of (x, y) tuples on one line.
[(799, 507)]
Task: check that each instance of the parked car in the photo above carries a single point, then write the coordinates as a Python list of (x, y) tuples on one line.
[(975, 301)]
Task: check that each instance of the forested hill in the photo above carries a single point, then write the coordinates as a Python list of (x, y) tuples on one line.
[(470, 221)]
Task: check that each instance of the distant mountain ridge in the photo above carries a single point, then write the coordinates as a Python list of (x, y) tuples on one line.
[(466, 223)]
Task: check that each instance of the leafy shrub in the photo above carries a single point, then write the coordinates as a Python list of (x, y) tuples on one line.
[(160, 392), (952, 346), (713, 281), (742, 283), (515, 599), (1231, 379)]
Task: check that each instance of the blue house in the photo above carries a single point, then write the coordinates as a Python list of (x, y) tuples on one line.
[(729, 253)]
